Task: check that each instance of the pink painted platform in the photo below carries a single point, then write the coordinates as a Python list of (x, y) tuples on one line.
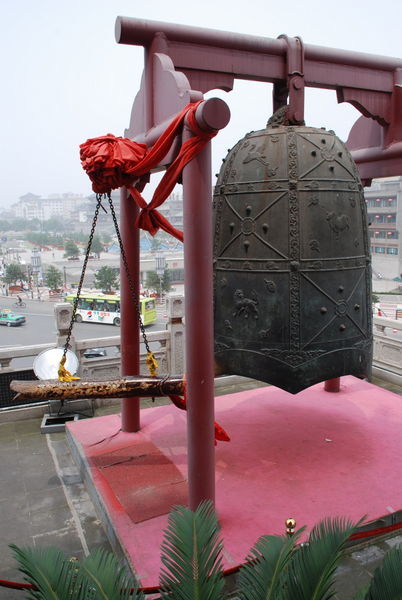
[(307, 456)]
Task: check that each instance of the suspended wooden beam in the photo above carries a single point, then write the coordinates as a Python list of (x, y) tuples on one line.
[(53, 389)]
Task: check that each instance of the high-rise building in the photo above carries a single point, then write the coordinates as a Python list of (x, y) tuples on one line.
[(62, 206), (172, 209), (384, 211)]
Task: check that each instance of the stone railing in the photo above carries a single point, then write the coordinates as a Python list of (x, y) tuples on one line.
[(168, 346), (387, 355)]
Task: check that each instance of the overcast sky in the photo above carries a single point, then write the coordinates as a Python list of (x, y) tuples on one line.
[(65, 78)]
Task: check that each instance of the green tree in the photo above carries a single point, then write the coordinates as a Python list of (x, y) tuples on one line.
[(54, 224), (14, 273), (153, 281), (277, 567), (37, 238), (96, 246), (53, 278), (20, 224), (155, 244), (71, 249), (106, 279), (35, 225), (5, 225), (106, 237)]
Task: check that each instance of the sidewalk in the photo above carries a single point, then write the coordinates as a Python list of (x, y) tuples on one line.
[(42, 499), (43, 503)]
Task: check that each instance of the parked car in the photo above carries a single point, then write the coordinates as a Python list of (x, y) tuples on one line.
[(9, 318), (94, 352)]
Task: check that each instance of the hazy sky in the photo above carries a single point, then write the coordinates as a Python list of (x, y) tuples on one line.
[(65, 79)]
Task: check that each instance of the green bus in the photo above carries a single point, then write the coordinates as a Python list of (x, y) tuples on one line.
[(105, 308)]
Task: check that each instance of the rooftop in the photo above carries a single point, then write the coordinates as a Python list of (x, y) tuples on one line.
[(43, 502)]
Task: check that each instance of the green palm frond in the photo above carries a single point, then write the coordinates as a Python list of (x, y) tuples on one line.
[(101, 577), (387, 580), (311, 571), (260, 577), (49, 570), (191, 555), (362, 593)]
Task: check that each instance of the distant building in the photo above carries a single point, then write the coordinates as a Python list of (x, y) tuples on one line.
[(384, 211), (62, 206), (28, 207), (104, 221), (172, 210)]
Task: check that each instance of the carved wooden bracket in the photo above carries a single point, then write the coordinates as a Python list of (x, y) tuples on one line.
[(184, 62)]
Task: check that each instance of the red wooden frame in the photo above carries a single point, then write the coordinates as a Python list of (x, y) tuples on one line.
[(181, 63)]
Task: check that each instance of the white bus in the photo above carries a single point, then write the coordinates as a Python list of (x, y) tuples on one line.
[(105, 308)]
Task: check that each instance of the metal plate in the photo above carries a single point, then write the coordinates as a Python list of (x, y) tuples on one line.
[(46, 364)]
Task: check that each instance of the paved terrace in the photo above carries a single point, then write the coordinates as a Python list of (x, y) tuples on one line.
[(43, 501)]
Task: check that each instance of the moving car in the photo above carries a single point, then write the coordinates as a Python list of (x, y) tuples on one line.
[(94, 352), (9, 318)]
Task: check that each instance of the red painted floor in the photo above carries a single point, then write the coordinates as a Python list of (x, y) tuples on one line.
[(307, 456)]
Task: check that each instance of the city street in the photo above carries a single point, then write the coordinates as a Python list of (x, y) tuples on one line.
[(40, 327)]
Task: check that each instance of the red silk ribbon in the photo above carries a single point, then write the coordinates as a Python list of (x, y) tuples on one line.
[(220, 433), (112, 162)]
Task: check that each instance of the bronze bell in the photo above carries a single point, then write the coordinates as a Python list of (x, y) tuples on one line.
[(292, 278)]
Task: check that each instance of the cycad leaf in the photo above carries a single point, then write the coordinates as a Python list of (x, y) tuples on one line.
[(387, 580), (361, 594), (191, 555), (49, 570), (260, 577), (101, 577), (311, 572)]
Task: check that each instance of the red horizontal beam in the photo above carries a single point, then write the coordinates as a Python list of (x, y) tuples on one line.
[(228, 52), (213, 59)]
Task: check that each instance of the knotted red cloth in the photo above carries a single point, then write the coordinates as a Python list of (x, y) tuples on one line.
[(181, 402), (112, 162), (220, 433)]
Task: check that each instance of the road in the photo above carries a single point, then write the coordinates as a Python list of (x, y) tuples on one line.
[(40, 328)]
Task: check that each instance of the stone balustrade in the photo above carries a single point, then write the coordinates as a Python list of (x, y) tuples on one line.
[(168, 347), (387, 353)]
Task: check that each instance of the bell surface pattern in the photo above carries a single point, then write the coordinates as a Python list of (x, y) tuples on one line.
[(292, 278)]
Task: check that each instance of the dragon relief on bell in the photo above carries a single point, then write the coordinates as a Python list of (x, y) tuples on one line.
[(245, 307), (338, 222)]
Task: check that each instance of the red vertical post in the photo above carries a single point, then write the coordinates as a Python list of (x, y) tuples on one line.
[(197, 197), (129, 329), (333, 385)]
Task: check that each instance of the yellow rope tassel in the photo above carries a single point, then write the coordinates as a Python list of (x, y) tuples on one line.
[(62, 372), (152, 364)]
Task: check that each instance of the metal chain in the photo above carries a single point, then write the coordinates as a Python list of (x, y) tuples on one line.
[(129, 279), (99, 198)]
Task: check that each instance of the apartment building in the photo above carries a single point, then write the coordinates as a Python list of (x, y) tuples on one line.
[(172, 209), (384, 211), (62, 206)]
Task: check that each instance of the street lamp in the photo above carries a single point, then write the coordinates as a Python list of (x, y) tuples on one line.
[(160, 265), (30, 281)]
